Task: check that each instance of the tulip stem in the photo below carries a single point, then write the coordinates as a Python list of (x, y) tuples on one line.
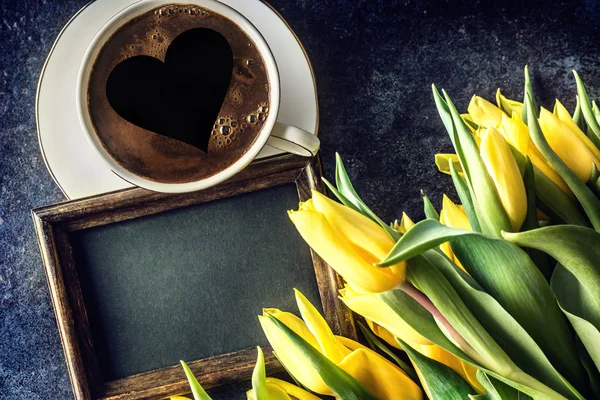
[(424, 301)]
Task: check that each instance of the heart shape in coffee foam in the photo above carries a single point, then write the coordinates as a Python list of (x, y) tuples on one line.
[(181, 97)]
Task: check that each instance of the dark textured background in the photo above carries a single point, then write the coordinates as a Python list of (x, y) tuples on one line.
[(374, 61)]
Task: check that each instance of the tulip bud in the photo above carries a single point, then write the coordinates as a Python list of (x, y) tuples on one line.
[(389, 381), (561, 112), (516, 133), (567, 145), (453, 216), (504, 171), (349, 242), (484, 113)]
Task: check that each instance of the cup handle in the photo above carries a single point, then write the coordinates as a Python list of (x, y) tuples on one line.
[(292, 139)]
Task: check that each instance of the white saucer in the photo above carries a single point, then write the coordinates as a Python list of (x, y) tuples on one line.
[(73, 163)]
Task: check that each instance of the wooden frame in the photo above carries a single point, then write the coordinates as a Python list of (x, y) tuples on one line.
[(53, 223)]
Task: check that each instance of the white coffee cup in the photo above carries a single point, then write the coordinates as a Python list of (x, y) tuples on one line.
[(284, 137)]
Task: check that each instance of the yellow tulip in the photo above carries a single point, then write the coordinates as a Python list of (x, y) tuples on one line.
[(507, 105), (388, 325), (505, 174), (349, 242), (567, 145), (453, 216), (561, 112), (404, 225), (484, 113), (382, 378), (282, 390), (443, 161), (516, 133)]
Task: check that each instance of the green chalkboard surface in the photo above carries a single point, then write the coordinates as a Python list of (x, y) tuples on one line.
[(189, 283)]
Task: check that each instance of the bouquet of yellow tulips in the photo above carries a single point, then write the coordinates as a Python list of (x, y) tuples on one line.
[(497, 297)]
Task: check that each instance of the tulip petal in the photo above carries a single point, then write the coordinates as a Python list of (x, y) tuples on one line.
[(343, 256), (351, 198), (405, 223), (338, 381), (282, 390), (361, 231), (383, 334), (454, 216), (505, 174), (372, 308), (293, 358), (484, 113), (564, 116), (379, 376), (443, 161), (273, 392), (294, 323), (515, 132), (507, 105), (375, 344), (292, 390), (329, 345)]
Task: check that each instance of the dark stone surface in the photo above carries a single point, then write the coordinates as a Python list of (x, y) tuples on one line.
[(374, 62)]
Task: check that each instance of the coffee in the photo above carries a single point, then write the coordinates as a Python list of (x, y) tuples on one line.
[(178, 94)]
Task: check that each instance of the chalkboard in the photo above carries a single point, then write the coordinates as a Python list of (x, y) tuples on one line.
[(188, 283)]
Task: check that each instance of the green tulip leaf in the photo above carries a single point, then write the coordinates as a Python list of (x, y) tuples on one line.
[(474, 339), (378, 346), (586, 197), (495, 389), (587, 111), (197, 390), (531, 222), (346, 193), (594, 180), (576, 282), (528, 89), (596, 112), (592, 372), (465, 198), (441, 381), (259, 378), (339, 381), (422, 322), (553, 201), (578, 116), (506, 272), (492, 217), (503, 328), (568, 290), (429, 209)]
